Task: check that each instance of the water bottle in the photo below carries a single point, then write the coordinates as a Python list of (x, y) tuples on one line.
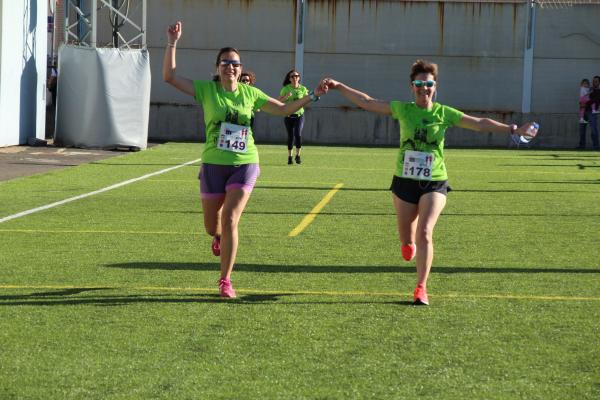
[(531, 131)]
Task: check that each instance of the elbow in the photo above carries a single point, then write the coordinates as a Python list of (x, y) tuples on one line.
[(168, 75)]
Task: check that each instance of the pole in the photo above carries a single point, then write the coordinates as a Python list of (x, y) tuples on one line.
[(115, 4), (528, 58), (94, 27), (299, 55)]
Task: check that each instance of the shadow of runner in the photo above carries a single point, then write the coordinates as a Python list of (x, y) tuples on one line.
[(57, 299), (347, 269)]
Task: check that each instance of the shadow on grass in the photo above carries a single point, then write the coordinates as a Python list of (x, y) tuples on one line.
[(578, 166), (570, 156), (54, 293), (58, 298), (569, 182), (346, 269)]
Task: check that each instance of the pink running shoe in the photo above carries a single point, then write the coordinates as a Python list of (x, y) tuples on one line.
[(216, 246), (420, 296), (226, 289), (409, 251)]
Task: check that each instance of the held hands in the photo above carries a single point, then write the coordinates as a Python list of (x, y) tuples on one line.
[(321, 89), (325, 85), (330, 83), (174, 32)]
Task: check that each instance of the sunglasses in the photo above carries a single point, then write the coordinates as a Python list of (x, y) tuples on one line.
[(245, 80), (294, 76), (234, 63), (419, 83)]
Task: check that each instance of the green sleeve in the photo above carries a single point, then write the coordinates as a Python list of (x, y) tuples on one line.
[(452, 115), (260, 98), (283, 91), (200, 90), (397, 108)]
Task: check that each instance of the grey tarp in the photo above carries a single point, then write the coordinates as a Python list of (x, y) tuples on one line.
[(103, 98)]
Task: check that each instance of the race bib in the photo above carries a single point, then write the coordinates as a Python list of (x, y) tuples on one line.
[(233, 138), (417, 165)]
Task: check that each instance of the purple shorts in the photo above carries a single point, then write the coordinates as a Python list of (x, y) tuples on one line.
[(216, 180)]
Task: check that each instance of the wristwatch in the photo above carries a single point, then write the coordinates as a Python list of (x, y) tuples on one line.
[(312, 96)]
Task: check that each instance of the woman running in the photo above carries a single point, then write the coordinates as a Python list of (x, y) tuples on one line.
[(230, 159), (420, 183), (291, 91)]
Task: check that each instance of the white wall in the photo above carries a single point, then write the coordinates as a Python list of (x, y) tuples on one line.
[(23, 43), (371, 44)]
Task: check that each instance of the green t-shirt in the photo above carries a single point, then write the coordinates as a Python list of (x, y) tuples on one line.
[(424, 130), (297, 93), (233, 107)]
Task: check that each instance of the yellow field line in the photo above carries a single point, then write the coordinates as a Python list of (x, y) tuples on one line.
[(331, 293), (309, 218)]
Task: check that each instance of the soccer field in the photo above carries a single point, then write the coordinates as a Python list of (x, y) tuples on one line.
[(114, 295)]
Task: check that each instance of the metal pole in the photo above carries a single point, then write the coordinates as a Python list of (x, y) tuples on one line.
[(53, 33), (94, 27), (144, 12), (67, 7), (299, 55), (528, 57), (115, 35)]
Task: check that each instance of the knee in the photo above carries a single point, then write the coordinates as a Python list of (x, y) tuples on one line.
[(424, 236), (229, 223)]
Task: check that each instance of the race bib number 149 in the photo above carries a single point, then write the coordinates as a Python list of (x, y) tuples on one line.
[(417, 165), (233, 138)]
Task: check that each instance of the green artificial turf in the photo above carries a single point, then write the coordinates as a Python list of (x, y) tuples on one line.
[(114, 296)]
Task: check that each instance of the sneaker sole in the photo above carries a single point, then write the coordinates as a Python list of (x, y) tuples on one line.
[(419, 302)]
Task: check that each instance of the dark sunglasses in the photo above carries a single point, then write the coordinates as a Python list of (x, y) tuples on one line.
[(419, 83), (245, 80), (294, 76), (235, 63)]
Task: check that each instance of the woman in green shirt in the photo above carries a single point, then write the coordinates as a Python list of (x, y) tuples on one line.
[(292, 90), (229, 158), (420, 184)]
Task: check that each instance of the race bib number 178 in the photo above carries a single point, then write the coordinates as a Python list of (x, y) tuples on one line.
[(417, 165), (233, 138)]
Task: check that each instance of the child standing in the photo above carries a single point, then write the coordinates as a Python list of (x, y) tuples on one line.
[(584, 99)]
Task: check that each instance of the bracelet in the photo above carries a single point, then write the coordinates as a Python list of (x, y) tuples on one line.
[(312, 96), (172, 44), (513, 128)]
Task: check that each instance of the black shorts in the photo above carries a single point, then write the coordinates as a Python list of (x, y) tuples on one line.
[(411, 190)]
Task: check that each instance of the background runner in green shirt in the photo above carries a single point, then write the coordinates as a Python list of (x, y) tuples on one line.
[(419, 186), (292, 90), (228, 107)]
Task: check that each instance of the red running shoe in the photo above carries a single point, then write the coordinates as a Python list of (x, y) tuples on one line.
[(409, 251), (216, 246), (420, 296), (225, 289)]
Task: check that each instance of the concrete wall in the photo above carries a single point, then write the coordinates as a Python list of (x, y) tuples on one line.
[(22, 70), (371, 44)]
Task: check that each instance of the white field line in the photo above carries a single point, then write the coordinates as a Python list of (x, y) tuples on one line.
[(95, 192)]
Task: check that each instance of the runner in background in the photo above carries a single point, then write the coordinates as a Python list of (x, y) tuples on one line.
[(249, 78), (420, 183), (291, 91), (229, 159)]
